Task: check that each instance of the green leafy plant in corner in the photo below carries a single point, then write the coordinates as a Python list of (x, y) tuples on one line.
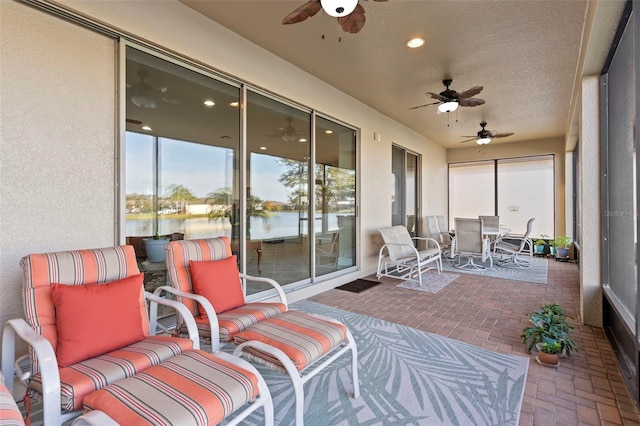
[(549, 323), (562, 241)]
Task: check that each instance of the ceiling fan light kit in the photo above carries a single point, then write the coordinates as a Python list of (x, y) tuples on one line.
[(448, 107), (338, 8), (485, 136)]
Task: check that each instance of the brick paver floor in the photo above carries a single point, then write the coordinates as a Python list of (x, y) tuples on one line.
[(587, 389)]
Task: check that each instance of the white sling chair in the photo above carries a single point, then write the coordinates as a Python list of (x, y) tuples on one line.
[(469, 242), (438, 231), (399, 258), (517, 247)]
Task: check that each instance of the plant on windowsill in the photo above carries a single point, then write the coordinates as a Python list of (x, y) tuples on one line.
[(549, 324)]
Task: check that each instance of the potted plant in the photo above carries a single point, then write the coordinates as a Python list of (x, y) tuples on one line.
[(552, 247), (154, 247), (549, 325), (539, 246), (562, 244), (549, 353)]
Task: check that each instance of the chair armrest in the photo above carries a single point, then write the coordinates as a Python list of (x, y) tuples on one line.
[(273, 283), (428, 240), (47, 362), (190, 322)]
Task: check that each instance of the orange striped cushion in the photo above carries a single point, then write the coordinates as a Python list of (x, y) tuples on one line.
[(236, 320), (79, 380), (75, 268), (9, 412), (303, 338), (195, 388)]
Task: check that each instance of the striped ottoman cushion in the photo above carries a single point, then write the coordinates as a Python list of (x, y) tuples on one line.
[(236, 320), (79, 380), (303, 338), (9, 412), (195, 388)]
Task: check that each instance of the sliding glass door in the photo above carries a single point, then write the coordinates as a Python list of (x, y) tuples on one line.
[(283, 192), (405, 207)]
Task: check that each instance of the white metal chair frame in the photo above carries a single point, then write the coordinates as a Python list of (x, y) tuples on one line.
[(517, 253), (51, 400), (469, 242), (399, 258)]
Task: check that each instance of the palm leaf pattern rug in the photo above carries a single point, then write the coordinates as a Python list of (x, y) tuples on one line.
[(407, 377)]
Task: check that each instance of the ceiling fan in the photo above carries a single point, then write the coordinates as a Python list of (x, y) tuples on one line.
[(449, 100), (350, 14), (288, 133), (143, 95), (484, 136)]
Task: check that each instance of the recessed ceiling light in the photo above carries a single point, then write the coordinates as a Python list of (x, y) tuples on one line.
[(302, 140), (147, 128), (209, 103), (234, 104), (415, 42), (328, 131), (264, 148)]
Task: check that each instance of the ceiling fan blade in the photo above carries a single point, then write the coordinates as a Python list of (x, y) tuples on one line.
[(420, 106), (469, 140), (305, 11), (470, 92), (353, 22), (501, 135), (471, 102), (470, 136), (437, 96), (132, 121)]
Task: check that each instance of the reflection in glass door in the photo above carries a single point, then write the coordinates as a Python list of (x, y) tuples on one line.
[(405, 208), (278, 198), (335, 195)]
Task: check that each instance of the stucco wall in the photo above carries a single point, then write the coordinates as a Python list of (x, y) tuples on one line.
[(57, 138)]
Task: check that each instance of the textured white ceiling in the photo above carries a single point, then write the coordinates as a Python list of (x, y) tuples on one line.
[(526, 55)]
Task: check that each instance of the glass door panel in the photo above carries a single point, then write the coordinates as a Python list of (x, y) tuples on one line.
[(335, 194), (181, 150), (278, 201)]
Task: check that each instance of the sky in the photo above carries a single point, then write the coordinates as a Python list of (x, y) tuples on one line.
[(200, 168)]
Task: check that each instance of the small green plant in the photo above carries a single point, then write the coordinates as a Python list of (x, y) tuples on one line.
[(551, 348), (549, 323), (562, 241), (539, 243)]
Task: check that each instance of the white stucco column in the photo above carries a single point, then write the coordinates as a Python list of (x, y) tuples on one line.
[(589, 203)]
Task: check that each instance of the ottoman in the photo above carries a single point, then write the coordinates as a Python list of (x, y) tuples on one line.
[(194, 388), (300, 345)]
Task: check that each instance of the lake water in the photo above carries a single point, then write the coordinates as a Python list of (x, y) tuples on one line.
[(277, 225)]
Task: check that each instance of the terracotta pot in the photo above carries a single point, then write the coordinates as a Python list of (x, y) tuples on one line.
[(549, 359)]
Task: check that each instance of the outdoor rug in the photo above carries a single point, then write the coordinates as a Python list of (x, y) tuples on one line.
[(358, 286), (536, 274), (407, 377), (432, 282)]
